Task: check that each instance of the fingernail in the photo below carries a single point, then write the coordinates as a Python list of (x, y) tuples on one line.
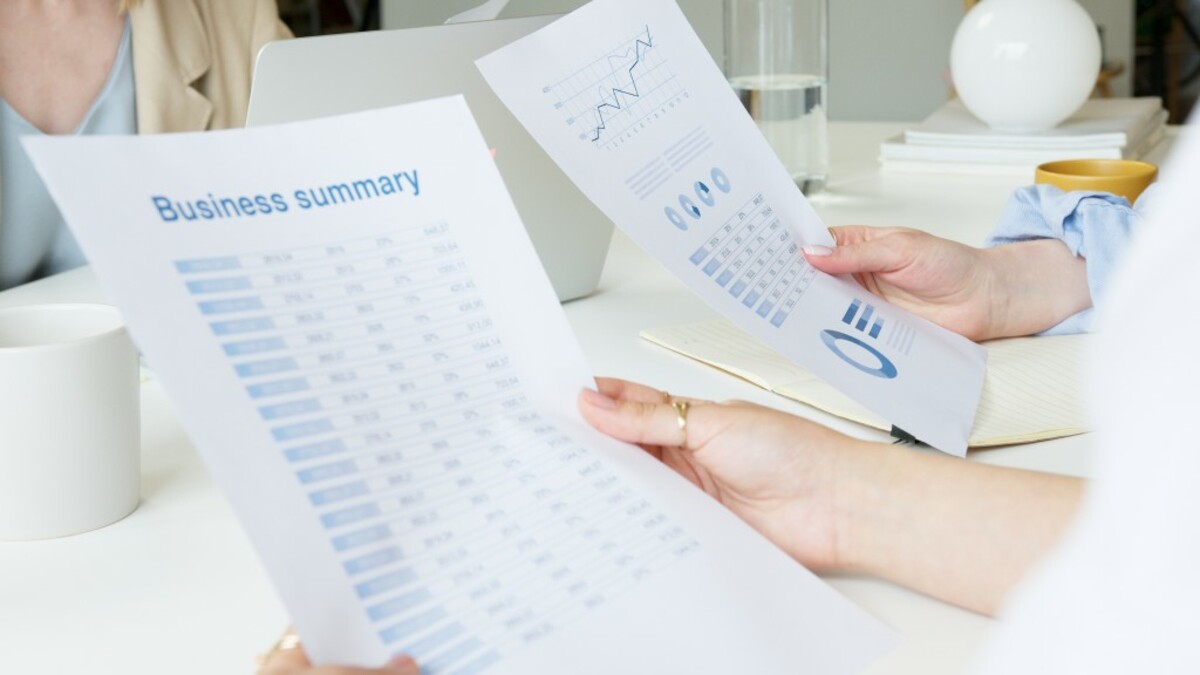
[(403, 663), (595, 398), (817, 251)]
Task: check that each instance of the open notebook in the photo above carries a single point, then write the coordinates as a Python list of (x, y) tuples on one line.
[(1031, 392)]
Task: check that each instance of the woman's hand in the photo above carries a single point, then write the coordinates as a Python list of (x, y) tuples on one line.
[(1017, 289), (940, 280), (781, 474), (287, 657), (959, 530)]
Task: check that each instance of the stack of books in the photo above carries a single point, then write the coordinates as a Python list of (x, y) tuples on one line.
[(952, 140)]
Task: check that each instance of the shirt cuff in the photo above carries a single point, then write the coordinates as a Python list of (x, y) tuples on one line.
[(1096, 226)]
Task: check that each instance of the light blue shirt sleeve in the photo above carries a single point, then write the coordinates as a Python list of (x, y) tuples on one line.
[(1096, 226)]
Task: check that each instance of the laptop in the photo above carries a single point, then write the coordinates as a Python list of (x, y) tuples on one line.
[(330, 75)]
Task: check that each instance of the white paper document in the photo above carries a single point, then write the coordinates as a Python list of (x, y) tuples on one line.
[(625, 98), (359, 339)]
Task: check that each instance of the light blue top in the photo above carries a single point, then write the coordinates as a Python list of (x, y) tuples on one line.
[(1096, 226), (34, 240)]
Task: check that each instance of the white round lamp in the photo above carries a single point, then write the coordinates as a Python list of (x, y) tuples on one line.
[(1025, 65)]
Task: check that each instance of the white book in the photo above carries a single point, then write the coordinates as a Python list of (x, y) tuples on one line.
[(898, 147), (897, 156), (1099, 123)]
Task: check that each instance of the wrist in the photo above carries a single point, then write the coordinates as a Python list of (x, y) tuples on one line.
[(1032, 286), (999, 275), (867, 502)]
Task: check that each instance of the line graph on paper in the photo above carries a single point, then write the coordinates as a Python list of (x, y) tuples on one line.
[(613, 96)]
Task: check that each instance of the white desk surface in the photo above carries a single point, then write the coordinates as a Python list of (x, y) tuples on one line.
[(175, 587)]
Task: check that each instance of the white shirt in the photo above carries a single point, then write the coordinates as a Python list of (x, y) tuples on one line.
[(1122, 594)]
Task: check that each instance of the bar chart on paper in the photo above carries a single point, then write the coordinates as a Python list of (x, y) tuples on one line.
[(755, 259), (467, 524), (607, 100)]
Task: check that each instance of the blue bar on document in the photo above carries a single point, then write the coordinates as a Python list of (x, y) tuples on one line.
[(371, 561), (751, 299), (876, 328), (219, 285), (435, 640), (207, 265), (479, 664), (253, 346), (232, 305), (849, 317), (274, 412), (778, 319), (712, 266), (278, 388), (241, 326), (410, 626), (699, 256), (398, 605), (327, 471), (293, 431), (765, 309), (865, 319), (724, 278), (337, 494), (458, 651), (361, 537), (386, 582), (737, 289), (312, 450), (267, 367), (350, 515)]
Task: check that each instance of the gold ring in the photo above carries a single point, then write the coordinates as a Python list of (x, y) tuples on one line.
[(681, 411), (289, 641)]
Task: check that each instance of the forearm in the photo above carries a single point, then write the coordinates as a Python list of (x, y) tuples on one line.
[(1034, 286), (962, 532)]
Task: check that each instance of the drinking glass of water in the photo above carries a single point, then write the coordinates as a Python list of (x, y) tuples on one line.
[(777, 60)]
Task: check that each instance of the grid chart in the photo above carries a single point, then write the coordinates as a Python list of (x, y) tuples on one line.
[(468, 525), (615, 95), (753, 257)]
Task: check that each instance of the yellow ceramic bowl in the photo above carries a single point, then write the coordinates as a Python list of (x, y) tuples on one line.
[(1124, 177)]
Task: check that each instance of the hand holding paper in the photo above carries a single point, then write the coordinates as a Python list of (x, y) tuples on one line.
[(625, 98), (351, 354)]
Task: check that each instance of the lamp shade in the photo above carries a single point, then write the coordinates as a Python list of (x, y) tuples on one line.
[(1025, 65)]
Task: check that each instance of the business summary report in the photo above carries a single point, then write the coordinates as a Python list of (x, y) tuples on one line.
[(361, 343), (625, 98)]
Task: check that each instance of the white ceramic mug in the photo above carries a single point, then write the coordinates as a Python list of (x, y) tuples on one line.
[(69, 420)]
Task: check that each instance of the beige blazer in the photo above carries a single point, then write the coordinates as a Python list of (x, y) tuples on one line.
[(193, 60)]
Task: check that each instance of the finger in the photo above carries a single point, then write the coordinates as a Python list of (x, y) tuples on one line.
[(624, 390), (350, 670), (285, 660), (876, 255), (855, 234), (849, 234), (401, 665), (647, 423), (287, 657), (629, 391)]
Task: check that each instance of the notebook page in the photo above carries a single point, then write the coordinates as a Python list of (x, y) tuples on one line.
[(1031, 391)]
